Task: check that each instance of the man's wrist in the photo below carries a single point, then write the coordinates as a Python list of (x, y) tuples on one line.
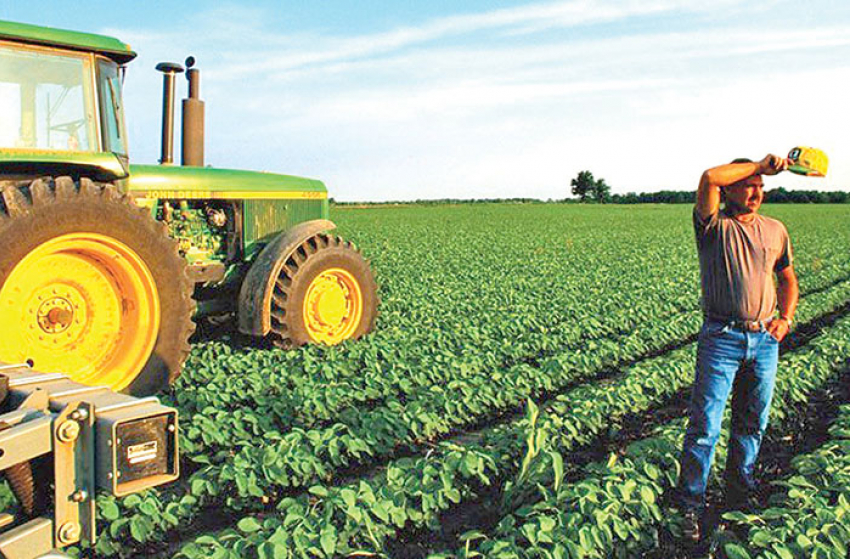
[(787, 319)]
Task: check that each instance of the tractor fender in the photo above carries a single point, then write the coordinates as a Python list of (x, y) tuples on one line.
[(255, 294)]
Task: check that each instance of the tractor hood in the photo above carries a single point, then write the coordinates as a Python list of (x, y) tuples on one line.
[(165, 181)]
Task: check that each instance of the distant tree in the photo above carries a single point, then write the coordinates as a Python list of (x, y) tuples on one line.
[(601, 192), (583, 185)]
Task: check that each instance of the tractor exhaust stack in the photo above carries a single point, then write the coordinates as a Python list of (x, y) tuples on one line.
[(169, 70), (193, 119)]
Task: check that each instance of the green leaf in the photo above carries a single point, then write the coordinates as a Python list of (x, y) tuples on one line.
[(803, 541), (381, 510), (328, 540), (546, 524), (621, 529), (533, 412), (761, 538), (472, 535), (558, 467), (109, 510), (647, 495), (319, 491), (140, 529), (735, 551), (349, 497), (249, 524)]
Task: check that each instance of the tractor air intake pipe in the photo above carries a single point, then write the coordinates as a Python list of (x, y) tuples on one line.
[(193, 118), (168, 69)]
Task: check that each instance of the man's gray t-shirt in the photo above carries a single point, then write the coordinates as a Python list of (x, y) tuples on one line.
[(737, 261)]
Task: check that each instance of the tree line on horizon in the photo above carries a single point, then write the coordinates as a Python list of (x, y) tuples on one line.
[(588, 189), (776, 196)]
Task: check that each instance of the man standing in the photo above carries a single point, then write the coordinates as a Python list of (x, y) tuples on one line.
[(738, 351)]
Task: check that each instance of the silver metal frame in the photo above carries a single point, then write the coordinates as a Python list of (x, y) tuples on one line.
[(77, 424)]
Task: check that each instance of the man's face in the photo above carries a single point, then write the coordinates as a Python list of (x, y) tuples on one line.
[(745, 196)]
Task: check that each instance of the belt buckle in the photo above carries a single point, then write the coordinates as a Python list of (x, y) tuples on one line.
[(747, 325)]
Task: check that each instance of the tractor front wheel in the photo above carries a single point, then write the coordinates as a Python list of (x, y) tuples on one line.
[(325, 293), (91, 286)]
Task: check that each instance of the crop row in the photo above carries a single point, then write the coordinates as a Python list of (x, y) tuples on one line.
[(615, 510), (300, 457), (219, 423), (515, 304), (146, 518), (811, 518), (448, 304), (413, 492), (513, 316), (322, 401)]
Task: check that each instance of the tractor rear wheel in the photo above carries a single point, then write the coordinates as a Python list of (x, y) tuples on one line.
[(325, 293), (91, 286)]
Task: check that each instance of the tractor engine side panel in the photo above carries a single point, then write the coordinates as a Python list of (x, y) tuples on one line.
[(263, 219)]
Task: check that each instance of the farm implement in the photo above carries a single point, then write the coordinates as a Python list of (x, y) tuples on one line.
[(61, 441), (104, 264)]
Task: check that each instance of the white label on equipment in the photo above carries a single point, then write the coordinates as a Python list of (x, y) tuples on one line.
[(139, 453)]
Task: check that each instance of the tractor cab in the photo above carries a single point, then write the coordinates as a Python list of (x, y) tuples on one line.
[(60, 97)]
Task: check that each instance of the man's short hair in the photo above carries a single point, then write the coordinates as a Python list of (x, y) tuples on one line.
[(737, 160)]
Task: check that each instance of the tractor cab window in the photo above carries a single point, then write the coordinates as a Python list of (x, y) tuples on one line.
[(111, 108), (45, 101)]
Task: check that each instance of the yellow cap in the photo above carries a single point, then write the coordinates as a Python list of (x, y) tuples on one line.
[(807, 161)]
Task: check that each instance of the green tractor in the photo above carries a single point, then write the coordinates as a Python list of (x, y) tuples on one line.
[(104, 264)]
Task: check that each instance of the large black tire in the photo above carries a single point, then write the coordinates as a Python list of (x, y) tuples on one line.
[(315, 256), (35, 212)]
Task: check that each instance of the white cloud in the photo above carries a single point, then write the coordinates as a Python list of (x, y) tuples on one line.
[(407, 113)]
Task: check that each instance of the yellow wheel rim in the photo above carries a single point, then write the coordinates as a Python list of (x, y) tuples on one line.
[(84, 305), (333, 306)]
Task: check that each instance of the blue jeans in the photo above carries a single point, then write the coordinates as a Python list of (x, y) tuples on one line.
[(743, 363)]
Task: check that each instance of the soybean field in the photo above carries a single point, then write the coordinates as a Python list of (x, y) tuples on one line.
[(523, 395)]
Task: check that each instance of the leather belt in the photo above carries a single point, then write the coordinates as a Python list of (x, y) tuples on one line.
[(748, 325)]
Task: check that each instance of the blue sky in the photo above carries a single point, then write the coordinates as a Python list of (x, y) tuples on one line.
[(405, 100)]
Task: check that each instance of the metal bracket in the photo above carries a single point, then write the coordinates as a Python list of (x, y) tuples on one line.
[(69, 434), (73, 459)]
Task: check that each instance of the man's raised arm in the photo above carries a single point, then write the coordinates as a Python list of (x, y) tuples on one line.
[(712, 180)]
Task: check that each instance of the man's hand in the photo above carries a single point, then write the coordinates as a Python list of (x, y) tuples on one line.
[(778, 328), (772, 165)]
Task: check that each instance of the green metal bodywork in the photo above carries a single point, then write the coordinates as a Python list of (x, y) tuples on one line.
[(198, 180), (270, 202), (74, 40)]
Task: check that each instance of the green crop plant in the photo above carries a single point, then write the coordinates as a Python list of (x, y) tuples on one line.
[(617, 504), (549, 319), (810, 517), (639, 389)]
